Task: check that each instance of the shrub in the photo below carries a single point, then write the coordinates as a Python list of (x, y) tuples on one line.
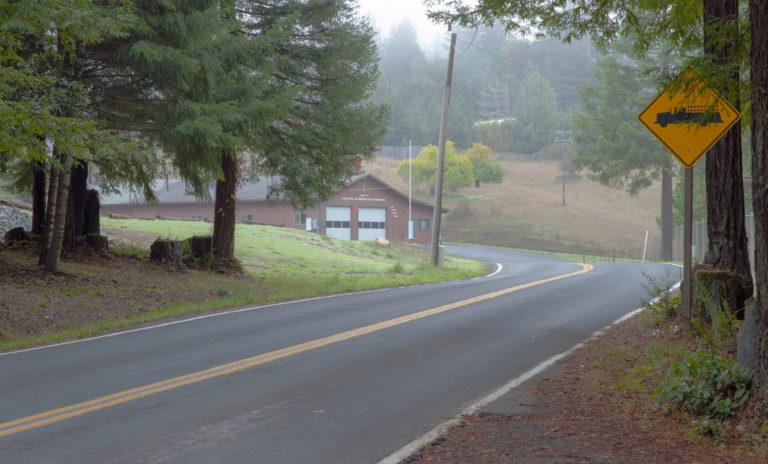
[(705, 384)]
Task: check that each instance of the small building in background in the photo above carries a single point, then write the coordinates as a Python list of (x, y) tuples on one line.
[(367, 209)]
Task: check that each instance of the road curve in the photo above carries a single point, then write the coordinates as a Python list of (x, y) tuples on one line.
[(349, 378)]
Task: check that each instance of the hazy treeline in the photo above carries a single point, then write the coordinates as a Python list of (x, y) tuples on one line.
[(508, 93)]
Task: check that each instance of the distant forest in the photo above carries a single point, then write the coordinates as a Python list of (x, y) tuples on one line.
[(511, 94)]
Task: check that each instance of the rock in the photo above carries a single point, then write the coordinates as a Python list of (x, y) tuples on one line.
[(380, 241), (17, 234), (166, 251)]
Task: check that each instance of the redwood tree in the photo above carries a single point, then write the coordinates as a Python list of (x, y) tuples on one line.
[(726, 229), (753, 338)]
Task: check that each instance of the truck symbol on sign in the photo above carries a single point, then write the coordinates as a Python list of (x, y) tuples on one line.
[(701, 115)]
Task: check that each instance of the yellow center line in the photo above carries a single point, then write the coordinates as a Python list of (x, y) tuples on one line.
[(56, 415)]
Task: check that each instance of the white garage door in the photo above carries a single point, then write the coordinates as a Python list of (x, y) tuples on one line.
[(371, 223), (337, 222)]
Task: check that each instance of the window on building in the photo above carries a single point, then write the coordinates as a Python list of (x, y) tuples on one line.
[(299, 218), (371, 225), (422, 224), (197, 217), (246, 217)]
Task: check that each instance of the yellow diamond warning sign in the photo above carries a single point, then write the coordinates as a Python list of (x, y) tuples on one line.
[(688, 118)]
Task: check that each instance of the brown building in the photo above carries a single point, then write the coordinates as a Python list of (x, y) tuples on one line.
[(367, 209)]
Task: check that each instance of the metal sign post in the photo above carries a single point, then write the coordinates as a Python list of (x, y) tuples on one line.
[(687, 245)]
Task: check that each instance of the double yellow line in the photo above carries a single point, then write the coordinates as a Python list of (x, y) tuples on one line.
[(56, 415)]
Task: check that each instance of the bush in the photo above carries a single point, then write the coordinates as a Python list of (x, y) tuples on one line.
[(704, 384)]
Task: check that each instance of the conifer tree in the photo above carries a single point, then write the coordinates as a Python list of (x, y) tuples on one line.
[(253, 89), (613, 147), (45, 100), (329, 60)]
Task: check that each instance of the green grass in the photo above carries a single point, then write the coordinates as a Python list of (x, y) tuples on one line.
[(296, 263)]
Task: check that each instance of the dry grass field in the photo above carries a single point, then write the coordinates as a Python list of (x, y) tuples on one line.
[(525, 211)]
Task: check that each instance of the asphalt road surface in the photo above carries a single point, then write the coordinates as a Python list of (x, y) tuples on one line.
[(342, 379)]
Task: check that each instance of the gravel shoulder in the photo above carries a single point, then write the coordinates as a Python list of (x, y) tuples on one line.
[(579, 411)]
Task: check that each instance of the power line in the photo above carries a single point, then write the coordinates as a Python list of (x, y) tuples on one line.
[(503, 58)]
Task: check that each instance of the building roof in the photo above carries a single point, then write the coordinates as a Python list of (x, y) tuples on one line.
[(365, 176), (175, 191)]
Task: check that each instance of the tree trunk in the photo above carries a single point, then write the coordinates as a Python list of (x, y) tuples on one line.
[(53, 256), (726, 230), (756, 319), (50, 206), (667, 229), (76, 205), (38, 198), (224, 210), (91, 221)]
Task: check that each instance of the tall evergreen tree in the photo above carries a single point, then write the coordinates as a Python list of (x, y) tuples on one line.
[(45, 99), (328, 61), (753, 338), (536, 115), (613, 147), (726, 230), (250, 89), (217, 92)]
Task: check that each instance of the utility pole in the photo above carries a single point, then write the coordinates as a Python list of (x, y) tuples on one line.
[(563, 161), (436, 216), (410, 170)]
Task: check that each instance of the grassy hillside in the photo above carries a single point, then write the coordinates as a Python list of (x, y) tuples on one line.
[(526, 211)]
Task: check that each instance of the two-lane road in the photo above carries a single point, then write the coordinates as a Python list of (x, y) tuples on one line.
[(342, 379)]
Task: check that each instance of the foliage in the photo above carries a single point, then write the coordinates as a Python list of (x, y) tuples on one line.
[(487, 75), (328, 62), (705, 384), (458, 168), (699, 195), (537, 118), (487, 170), (484, 167), (479, 151), (43, 102), (610, 143), (664, 302)]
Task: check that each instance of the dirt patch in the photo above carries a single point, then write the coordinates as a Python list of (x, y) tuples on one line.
[(133, 237), (583, 413), (93, 288)]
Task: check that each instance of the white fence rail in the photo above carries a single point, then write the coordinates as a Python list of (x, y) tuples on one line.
[(700, 242)]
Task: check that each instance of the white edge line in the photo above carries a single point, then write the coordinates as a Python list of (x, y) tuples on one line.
[(403, 454), (233, 311), (499, 267)]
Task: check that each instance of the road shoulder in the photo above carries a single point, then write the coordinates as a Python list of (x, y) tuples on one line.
[(573, 412)]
